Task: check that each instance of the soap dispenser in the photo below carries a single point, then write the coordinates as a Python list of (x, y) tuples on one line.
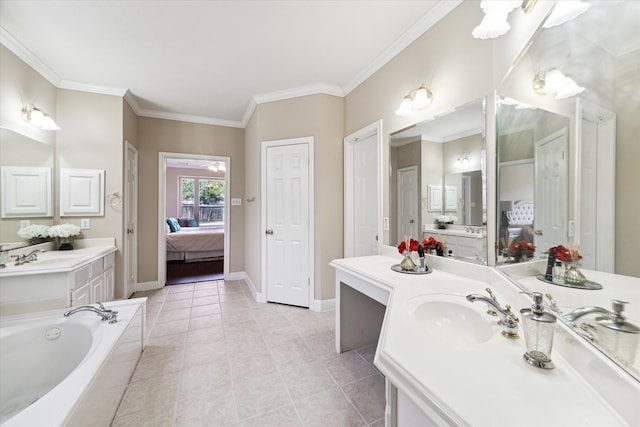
[(538, 326)]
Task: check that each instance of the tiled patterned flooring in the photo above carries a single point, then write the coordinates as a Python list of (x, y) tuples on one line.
[(215, 357)]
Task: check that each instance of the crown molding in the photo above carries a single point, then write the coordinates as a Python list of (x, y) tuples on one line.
[(251, 108), (435, 14), (83, 87), (463, 134), (296, 92), (133, 103), (189, 118), (29, 58)]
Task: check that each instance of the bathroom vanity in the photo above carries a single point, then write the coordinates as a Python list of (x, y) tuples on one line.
[(461, 243), (59, 279), (446, 362)]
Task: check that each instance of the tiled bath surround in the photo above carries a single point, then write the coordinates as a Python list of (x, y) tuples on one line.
[(215, 357)]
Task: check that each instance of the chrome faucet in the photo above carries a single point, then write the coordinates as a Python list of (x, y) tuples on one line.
[(31, 256), (4, 256), (105, 314), (508, 321), (615, 315)]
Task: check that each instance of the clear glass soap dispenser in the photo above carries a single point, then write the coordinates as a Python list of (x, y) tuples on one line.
[(538, 326)]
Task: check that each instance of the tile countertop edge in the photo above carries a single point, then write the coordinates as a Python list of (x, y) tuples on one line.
[(608, 385)]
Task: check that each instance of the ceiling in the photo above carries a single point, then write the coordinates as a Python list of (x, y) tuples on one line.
[(212, 61)]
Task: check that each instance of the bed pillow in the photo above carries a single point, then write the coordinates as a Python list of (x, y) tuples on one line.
[(192, 222), (183, 222), (173, 224)]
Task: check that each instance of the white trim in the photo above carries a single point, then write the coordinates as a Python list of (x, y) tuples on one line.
[(162, 203), (146, 286), (517, 162), (309, 140), (130, 147), (83, 87), (24, 54), (296, 92), (257, 296), (432, 17), (323, 305), (189, 118), (374, 128)]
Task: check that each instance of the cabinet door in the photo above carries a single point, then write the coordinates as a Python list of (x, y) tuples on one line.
[(109, 284), (467, 247), (97, 289), (81, 296)]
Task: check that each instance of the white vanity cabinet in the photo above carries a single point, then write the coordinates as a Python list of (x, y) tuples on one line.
[(85, 275), (461, 244)]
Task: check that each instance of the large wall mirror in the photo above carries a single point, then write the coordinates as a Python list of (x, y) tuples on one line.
[(438, 179), (557, 163), (17, 150)]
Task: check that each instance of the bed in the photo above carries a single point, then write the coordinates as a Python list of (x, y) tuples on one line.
[(521, 221), (193, 244)]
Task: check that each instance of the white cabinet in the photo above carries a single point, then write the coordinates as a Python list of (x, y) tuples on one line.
[(460, 246), (94, 282)]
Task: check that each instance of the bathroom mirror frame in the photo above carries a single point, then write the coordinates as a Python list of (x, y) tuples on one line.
[(598, 103), (17, 149), (448, 138)]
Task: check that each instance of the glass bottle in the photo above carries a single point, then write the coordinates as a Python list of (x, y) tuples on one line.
[(558, 273), (538, 326)]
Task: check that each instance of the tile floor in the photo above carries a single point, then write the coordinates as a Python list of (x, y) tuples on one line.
[(215, 357)]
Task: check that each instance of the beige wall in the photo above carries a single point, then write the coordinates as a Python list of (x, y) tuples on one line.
[(157, 135), (91, 138), (320, 116)]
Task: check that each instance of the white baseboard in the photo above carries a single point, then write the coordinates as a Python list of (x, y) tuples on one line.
[(241, 275), (323, 305), (146, 286)]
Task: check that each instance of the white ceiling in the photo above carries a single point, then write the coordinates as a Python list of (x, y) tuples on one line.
[(212, 61)]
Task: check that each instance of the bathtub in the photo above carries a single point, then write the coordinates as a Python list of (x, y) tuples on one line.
[(57, 370)]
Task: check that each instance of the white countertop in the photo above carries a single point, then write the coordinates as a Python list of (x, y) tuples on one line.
[(455, 232), (491, 386), (54, 261)]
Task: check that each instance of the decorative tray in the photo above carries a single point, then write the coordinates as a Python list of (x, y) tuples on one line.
[(588, 285), (397, 268)]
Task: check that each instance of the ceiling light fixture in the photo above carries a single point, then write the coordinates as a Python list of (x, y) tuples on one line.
[(494, 24), (564, 11), (553, 82), (38, 118), (417, 99)]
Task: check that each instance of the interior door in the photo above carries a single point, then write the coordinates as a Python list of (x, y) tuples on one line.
[(287, 219), (551, 191), (131, 220), (408, 203), (365, 196)]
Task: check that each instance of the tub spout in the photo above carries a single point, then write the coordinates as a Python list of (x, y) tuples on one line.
[(110, 315)]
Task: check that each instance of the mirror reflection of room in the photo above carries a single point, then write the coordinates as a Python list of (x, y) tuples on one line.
[(437, 181)]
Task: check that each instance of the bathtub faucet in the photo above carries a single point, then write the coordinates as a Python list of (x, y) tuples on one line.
[(105, 314)]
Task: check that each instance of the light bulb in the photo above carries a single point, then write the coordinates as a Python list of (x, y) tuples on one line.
[(405, 107), (422, 99)]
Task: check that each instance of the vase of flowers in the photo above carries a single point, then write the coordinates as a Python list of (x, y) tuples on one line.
[(35, 233), (64, 233), (405, 248), (430, 245), (571, 260), (522, 250)]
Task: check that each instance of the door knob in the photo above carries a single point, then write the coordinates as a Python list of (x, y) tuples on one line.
[(411, 221), (538, 232), (129, 230), (269, 232)]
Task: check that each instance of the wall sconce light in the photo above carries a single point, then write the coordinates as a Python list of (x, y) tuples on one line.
[(417, 99), (494, 24), (462, 161), (564, 11), (37, 118), (553, 82)]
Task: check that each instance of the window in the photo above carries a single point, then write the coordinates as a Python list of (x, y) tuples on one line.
[(208, 208)]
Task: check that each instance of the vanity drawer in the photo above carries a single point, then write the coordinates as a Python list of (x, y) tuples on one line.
[(81, 276), (97, 267), (109, 261)]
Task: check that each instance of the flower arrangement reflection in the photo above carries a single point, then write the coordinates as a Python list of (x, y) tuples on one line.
[(522, 250), (35, 233)]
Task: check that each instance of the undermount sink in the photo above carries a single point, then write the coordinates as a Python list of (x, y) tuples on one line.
[(450, 319)]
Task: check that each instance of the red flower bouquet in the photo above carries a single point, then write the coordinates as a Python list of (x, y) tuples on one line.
[(409, 244), (564, 254), (522, 250), (430, 244)]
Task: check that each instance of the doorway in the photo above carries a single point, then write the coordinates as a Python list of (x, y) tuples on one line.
[(287, 218), (362, 189), (178, 170), (551, 190), (130, 255), (407, 202)]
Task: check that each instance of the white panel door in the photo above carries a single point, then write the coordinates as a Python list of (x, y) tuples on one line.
[(407, 203), (131, 220), (365, 195), (287, 219), (588, 194), (551, 190)]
